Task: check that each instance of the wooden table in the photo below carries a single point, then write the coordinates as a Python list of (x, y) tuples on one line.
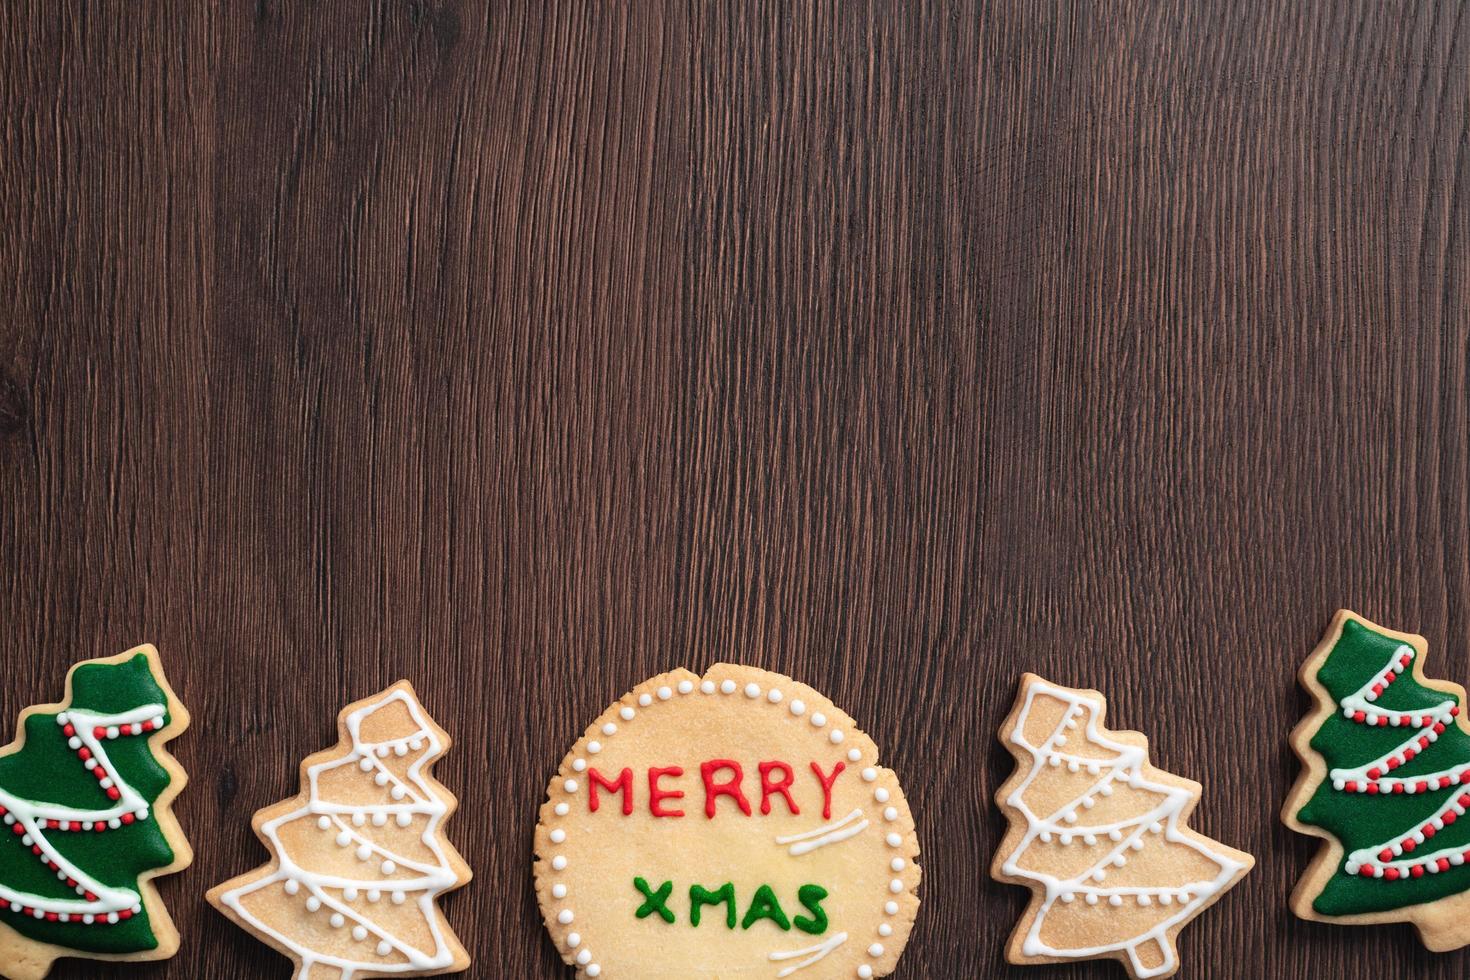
[(528, 351)]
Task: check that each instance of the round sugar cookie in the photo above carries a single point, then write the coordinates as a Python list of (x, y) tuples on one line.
[(732, 825)]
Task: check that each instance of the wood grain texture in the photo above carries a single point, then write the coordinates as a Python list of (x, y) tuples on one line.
[(525, 350)]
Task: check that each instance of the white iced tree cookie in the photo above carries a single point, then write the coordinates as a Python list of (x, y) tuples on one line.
[(1099, 835), (360, 857)]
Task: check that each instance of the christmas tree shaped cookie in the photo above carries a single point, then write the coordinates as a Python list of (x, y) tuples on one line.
[(736, 824), (85, 791), (1386, 783), (1099, 835), (360, 857)]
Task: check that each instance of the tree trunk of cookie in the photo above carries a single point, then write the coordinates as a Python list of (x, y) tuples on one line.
[(1448, 930), (318, 971), (1149, 955), (26, 960)]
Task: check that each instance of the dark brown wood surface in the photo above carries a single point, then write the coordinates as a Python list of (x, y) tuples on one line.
[(525, 351)]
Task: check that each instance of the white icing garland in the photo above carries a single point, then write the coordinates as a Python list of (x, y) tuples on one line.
[(807, 841), (1386, 859), (1126, 835), (28, 819), (414, 798)]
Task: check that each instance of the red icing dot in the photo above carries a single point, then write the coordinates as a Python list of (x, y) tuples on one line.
[(52, 916), (99, 732), (99, 826), (125, 914), (1382, 722), (1449, 817), (1391, 874), (1372, 789), (1439, 728), (1409, 846), (1444, 864), (1418, 871), (1358, 717), (1385, 855), (1428, 830), (17, 829), (127, 818), (112, 793), (1421, 786), (69, 731), (1374, 773), (1350, 787), (75, 826), (90, 897), (53, 824), (1393, 764)]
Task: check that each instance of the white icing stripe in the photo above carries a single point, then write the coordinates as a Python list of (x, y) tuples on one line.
[(822, 830), (433, 880), (836, 837), (143, 712), (814, 954), (1125, 764), (32, 815)]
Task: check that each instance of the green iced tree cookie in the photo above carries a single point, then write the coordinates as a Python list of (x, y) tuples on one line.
[(1393, 766), (80, 796)]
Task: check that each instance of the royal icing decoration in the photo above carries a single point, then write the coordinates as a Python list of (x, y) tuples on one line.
[(360, 858), (1387, 783), (1100, 835), (731, 823), (83, 798)]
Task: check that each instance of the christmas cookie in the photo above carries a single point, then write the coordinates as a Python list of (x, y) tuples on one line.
[(359, 858), (85, 791), (1099, 836), (735, 824), (1385, 783)]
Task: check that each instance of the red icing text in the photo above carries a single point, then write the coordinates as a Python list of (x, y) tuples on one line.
[(728, 787)]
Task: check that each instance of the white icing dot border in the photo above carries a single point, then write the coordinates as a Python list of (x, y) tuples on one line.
[(753, 694)]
